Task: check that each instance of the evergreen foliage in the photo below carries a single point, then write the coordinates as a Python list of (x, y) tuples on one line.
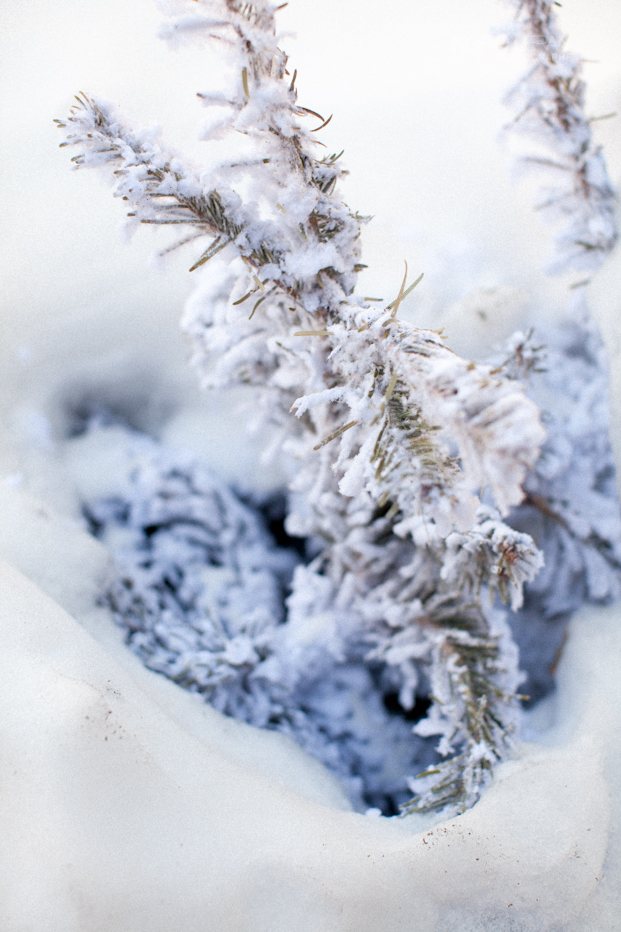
[(571, 506), (549, 105)]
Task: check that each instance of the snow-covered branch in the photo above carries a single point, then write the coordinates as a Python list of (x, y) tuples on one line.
[(549, 106), (396, 437)]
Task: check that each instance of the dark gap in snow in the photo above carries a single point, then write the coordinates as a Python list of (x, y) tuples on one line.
[(390, 807), (273, 510), (420, 708), (135, 400), (94, 525), (118, 510), (540, 641), (88, 414)]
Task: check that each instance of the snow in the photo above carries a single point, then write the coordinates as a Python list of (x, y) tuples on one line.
[(160, 813), (181, 815)]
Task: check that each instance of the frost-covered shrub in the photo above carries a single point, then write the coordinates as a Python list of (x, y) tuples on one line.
[(201, 595), (201, 586), (571, 507), (577, 517), (405, 459)]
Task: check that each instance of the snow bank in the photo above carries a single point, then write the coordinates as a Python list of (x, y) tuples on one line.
[(128, 805)]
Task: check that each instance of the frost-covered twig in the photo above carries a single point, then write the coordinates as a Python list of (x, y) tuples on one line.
[(395, 437), (433, 618), (549, 105)]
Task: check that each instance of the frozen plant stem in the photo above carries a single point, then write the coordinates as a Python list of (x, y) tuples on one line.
[(549, 101), (394, 437)]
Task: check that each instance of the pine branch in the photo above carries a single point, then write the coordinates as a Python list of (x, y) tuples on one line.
[(549, 101), (154, 182), (438, 619), (465, 662)]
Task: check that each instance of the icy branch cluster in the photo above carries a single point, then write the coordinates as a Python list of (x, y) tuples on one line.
[(572, 486), (201, 587), (549, 106), (571, 507), (392, 439)]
